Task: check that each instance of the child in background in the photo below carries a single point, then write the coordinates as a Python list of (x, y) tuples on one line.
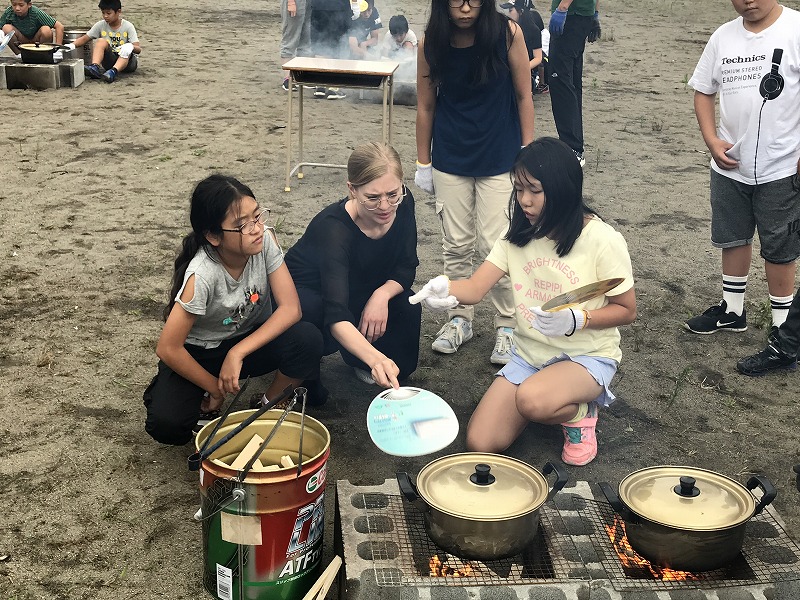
[(521, 12), (399, 42), (116, 44), (474, 111), (295, 32), (30, 25), (562, 361), (365, 30), (220, 324)]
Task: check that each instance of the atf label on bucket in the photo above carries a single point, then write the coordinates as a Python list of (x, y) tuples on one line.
[(317, 480)]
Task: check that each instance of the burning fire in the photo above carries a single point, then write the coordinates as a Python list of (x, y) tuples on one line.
[(630, 560), (440, 568)]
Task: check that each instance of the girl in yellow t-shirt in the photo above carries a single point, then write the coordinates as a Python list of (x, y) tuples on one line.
[(562, 361)]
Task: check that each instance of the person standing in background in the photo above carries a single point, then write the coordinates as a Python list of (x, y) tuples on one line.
[(330, 20), (474, 111), (295, 32), (572, 22)]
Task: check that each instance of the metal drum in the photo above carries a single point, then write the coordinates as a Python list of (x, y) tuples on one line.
[(85, 51), (262, 537)]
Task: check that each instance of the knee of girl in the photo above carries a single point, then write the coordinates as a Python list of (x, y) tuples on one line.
[(532, 406), (167, 431), (481, 441)]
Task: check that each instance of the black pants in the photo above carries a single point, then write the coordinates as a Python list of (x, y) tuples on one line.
[(173, 403), (565, 72), (789, 332), (400, 342)]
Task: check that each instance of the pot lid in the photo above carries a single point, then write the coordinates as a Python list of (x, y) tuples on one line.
[(478, 485), (687, 498), (37, 47)]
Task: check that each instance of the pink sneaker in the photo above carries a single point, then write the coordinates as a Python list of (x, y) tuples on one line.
[(580, 442)]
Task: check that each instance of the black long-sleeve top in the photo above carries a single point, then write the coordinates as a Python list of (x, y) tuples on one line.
[(334, 257)]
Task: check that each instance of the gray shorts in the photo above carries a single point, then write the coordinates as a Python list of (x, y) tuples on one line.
[(773, 209), (602, 369)]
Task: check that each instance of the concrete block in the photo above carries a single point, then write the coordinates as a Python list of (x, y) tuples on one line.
[(71, 71), (20, 76)]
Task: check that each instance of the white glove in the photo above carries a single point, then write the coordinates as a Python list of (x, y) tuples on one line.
[(424, 177), (435, 294), (69, 46), (356, 12), (561, 322), (126, 50)]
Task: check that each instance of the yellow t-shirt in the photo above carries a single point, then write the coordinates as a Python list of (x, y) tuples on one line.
[(537, 274)]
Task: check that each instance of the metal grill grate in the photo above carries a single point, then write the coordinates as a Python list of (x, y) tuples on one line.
[(768, 555), (401, 551)]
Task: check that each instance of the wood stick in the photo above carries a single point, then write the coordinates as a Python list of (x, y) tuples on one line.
[(325, 580), (247, 452)]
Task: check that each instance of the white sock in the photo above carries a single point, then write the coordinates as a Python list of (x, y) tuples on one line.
[(733, 289), (780, 308), (583, 410)]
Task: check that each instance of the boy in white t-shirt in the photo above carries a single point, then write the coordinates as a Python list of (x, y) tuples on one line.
[(400, 42), (753, 64)]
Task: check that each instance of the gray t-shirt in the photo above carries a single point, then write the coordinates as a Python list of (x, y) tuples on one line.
[(115, 37), (228, 307)]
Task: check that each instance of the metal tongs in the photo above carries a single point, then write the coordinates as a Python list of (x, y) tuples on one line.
[(197, 458)]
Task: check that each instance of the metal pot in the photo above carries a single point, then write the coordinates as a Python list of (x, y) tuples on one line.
[(84, 52), (685, 518), (481, 506), (38, 54)]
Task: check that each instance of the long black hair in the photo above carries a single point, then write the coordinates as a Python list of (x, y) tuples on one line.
[(489, 26), (211, 200), (554, 164)]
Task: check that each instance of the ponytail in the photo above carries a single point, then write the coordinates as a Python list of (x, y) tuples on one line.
[(190, 245)]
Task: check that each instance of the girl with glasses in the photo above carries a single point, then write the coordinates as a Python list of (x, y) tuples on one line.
[(563, 361), (354, 266), (221, 325), (474, 111)]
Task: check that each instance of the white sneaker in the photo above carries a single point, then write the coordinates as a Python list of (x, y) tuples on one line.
[(454, 333), (581, 158), (364, 376), (502, 346)]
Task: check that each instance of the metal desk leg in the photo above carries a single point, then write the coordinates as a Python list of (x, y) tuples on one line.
[(391, 105), (286, 186), (300, 142), (386, 85)]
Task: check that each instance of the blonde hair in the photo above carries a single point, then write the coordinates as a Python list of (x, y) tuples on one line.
[(372, 160)]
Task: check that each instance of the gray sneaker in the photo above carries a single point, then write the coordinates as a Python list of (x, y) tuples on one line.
[(364, 376), (450, 337), (502, 346)]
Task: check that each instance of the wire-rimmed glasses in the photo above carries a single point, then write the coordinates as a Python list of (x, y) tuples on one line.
[(249, 227), (373, 201)]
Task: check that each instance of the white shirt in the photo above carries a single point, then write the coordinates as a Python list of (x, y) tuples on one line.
[(732, 65)]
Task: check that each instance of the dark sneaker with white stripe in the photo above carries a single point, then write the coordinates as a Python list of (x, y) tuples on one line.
[(769, 359), (717, 318), (204, 419)]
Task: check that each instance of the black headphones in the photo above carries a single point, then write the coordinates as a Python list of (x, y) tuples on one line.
[(772, 84)]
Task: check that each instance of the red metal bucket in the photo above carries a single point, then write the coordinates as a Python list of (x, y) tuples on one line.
[(262, 537)]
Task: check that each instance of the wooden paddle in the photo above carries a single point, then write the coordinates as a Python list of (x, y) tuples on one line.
[(581, 294)]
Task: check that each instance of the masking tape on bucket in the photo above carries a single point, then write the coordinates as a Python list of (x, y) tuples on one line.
[(243, 530)]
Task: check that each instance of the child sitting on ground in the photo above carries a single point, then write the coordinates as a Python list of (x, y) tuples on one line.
[(116, 44), (364, 31), (400, 42), (30, 25)]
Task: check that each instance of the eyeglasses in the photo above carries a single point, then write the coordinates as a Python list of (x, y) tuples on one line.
[(373, 202), (250, 226), (460, 3)]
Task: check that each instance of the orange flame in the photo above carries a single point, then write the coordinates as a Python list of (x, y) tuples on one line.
[(439, 568), (630, 560)]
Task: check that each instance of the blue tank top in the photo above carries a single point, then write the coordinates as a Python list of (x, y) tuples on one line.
[(476, 130)]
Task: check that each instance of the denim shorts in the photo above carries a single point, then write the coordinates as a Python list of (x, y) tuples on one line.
[(602, 369), (773, 208)]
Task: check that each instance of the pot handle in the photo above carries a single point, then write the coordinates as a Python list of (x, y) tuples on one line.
[(408, 489), (766, 487), (561, 478), (615, 502)]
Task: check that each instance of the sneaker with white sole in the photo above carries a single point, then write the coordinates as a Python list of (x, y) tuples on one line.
[(581, 158), (717, 318), (580, 440), (502, 346), (364, 376), (336, 94), (320, 92), (204, 419), (450, 337)]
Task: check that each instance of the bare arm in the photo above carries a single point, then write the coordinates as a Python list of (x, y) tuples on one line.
[(59, 27), (472, 290), (521, 76), (426, 105), (537, 58), (704, 105), (384, 370), (620, 310)]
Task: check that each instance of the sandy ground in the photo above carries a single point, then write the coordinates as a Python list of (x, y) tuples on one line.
[(94, 187)]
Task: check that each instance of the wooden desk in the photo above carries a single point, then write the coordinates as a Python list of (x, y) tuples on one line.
[(331, 72)]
